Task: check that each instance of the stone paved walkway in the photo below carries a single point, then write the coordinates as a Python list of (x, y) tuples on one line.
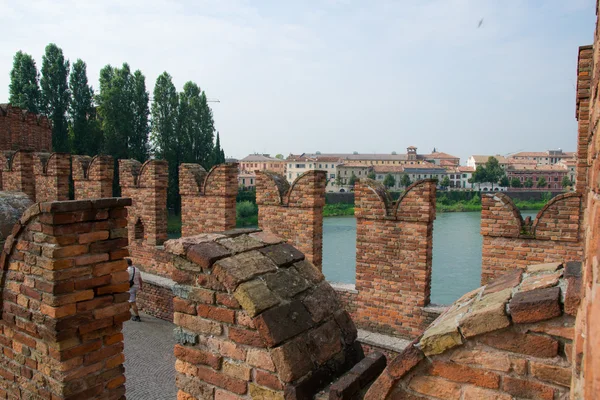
[(149, 359)]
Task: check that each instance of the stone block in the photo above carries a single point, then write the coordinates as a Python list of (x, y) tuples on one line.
[(309, 272), (283, 254), (547, 267), (324, 342), (242, 267), (205, 254), (266, 237), (291, 359), (286, 283), (540, 281), (484, 320), (240, 244), (506, 281), (283, 322), (535, 305), (262, 393), (321, 302), (255, 297)]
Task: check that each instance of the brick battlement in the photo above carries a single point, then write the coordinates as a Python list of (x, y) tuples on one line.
[(509, 241), (51, 173), (93, 176), (20, 129), (17, 174), (207, 199), (294, 212), (393, 257)]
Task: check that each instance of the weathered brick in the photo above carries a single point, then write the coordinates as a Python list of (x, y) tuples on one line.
[(197, 356), (535, 305), (437, 387), (527, 389), (283, 322), (291, 359), (524, 343), (465, 374)]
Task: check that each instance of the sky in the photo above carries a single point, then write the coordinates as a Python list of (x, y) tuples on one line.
[(338, 75)]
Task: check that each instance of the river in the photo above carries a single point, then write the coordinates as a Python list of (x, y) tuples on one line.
[(456, 253)]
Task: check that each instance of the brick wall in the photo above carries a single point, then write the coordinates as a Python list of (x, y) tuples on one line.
[(17, 174), (93, 176), (294, 212), (582, 114), (207, 199), (393, 257), (64, 300), (51, 173), (156, 296), (509, 241), (146, 184), (20, 129), (509, 339), (255, 320), (586, 351)]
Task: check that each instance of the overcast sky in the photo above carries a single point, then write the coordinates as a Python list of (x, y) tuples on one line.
[(337, 75)]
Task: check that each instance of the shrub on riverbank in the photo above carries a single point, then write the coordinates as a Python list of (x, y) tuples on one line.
[(338, 210)]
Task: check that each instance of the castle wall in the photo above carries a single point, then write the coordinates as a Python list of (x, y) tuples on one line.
[(294, 212), (509, 242), (64, 299), (393, 257), (51, 174), (22, 130), (93, 176), (17, 174), (207, 199)]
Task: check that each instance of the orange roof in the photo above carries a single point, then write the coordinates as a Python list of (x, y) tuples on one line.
[(439, 156)]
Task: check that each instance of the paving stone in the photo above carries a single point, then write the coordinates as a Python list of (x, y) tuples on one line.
[(286, 283), (205, 254), (283, 322), (540, 281), (255, 297), (506, 281), (283, 254), (535, 305), (547, 267), (241, 243), (242, 267)]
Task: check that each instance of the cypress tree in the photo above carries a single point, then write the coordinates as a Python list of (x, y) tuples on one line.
[(24, 90), (56, 95)]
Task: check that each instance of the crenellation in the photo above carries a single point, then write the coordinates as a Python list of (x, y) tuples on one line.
[(93, 176), (20, 129), (51, 173), (18, 174)]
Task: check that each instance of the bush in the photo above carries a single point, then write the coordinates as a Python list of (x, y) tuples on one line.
[(245, 209)]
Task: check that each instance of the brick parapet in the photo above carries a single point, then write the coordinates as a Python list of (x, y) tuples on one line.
[(582, 114), (294, 212), (146, 184), (93, 176), (20, 129), (393, 257), (17, 174), (64, 300), (51, 172), (208, 200), (510, 242)]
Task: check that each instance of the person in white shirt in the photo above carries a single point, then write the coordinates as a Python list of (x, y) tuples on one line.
[(135, 284)]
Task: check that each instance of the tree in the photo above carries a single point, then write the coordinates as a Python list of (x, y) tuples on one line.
[(279, 156), (504, 181), (480, 175), (528, 183), (218, 153), (84, 131), (371, 175), (493, 171), (164, 136), (138, 142), (352, 180), (338, 179), (566, 182), (445, 182), (196, 126), (541, 183), (24, 90), (389, 181), (405, 180), (515, 182), (56, 95)]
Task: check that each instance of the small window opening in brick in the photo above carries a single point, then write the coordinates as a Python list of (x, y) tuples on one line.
[(139, 230)]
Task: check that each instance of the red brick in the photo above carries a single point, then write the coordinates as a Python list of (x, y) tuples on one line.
[(465, 374), (269, 380), (529, 344), (197, 356), (216, 313), (221, 380), (551, 373), (437, 387), (245, 336), (183, 306), (527, 389)]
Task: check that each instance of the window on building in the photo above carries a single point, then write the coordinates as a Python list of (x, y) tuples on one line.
[(451, 176), (379, 177), (264, 166), (320, 165), (359, 172), (243, 181), (300, 165), (252, 181), (290, 175), (464, 175), (332, 176), (297, 174), (345, 172)]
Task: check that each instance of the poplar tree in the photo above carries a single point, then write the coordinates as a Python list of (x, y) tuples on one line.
[(218, 153), (56, 95), (138, 142), (85, 134), (164, 133), (24, 90)]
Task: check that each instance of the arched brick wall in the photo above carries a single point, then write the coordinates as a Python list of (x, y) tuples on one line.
[(64, 299), (93, 176), (51, 172)]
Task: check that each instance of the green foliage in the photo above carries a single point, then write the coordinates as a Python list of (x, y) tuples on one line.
[(371, 175), (246, 195), (541, 183), (445, 182), (174, 225), (389, 181), (84, 131), (566, 182), (196, 126), (352, 180), (24, 89), (279, 156), (338, 210), (138, 142), (504, 181), (528, 183), (492, 172), (546, 197), (515, 182), (245, 209), (56, 95), (218, 153), (405, 180)]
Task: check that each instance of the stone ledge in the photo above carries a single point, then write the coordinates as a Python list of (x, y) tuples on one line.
[(343, 287), (383, 341), (157, 280), (436, 308)]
